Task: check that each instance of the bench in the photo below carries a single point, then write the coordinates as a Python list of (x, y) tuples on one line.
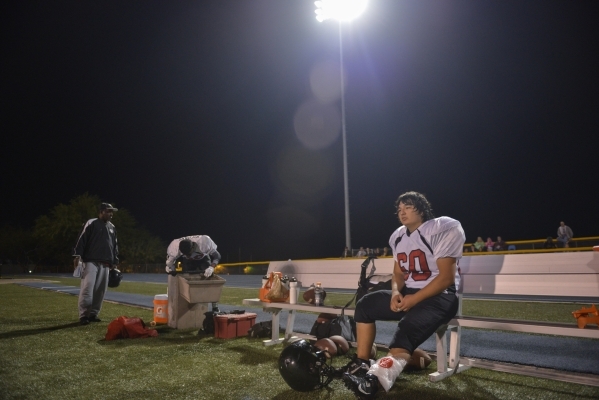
[(449, 361), (276, 308), (344, 274)]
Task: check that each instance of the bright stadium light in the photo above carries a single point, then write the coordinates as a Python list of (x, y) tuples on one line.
[(342, 11)]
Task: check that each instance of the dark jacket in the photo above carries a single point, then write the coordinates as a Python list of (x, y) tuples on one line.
[(97, 242), (500, 246)]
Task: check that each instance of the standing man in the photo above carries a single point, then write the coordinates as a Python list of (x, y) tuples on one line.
[(564, 234), (197, 253), (97, 249), (423, 296)]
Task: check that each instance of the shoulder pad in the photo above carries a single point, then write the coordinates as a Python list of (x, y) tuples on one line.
[(438, 225)]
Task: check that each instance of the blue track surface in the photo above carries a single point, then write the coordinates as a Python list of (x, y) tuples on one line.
[(561, 353)]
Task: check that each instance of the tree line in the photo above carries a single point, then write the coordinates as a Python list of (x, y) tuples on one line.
[(50, 242)]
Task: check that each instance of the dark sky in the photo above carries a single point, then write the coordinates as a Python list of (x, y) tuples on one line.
[(215, 117)]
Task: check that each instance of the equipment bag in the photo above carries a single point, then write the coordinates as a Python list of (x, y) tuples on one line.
[(341, 325), (128, 328), (371, 282), (261, 330), (208, 324)]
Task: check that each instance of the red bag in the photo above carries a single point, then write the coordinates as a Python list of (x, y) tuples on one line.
[(132, 328)]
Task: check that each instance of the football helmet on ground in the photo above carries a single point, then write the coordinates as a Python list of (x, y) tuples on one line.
[(304, 367)]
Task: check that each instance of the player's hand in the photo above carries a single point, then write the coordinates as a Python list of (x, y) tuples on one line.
[(395, 302), (208, 272), (76, 261), (407, 303)]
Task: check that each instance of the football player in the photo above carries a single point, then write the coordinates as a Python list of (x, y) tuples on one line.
[(197, 253), (423, 296)]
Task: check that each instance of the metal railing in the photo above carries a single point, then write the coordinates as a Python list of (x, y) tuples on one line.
[(536, 246)]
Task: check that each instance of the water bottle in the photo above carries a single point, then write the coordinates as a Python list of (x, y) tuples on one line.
[(293, 290), (318, 294)]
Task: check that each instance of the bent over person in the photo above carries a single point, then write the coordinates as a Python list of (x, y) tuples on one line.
[(423, 296), (98, 251), (197, 254)]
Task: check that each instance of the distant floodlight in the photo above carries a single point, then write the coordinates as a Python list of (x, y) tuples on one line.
[(341, 10)]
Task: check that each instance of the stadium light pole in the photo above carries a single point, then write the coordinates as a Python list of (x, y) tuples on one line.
[(342, 11)]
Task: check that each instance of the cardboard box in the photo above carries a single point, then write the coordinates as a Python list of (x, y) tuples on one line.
[(228, 326), (195, 289)]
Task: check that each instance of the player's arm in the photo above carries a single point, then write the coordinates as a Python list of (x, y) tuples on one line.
[(116, 250), (214, 258), (447, 269), (397, 284), (172, 253), (84, 235)]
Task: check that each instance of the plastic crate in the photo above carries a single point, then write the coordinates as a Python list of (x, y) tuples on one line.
[(196, 289), (227, 326)]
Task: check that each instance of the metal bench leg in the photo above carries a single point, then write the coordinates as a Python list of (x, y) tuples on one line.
[(454, 354), (441, 349), (290, 323), (275, 338), (455, 333)]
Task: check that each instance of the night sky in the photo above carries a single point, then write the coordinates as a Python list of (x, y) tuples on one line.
[(223, 117)]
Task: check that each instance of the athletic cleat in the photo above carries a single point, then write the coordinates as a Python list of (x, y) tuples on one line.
[(357, 367), (364, 387)]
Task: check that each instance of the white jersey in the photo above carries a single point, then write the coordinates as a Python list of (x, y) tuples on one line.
[(202, 246), (417, 252)]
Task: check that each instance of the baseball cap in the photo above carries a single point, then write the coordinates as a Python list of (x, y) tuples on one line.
[(107, 206)]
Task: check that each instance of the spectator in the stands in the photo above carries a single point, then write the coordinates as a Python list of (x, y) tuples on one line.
[(346, 253), (361, 252), (500, 245), (377, 252), (479, 245), (489, 244), (549, 243), (385, 251), (564, 235)]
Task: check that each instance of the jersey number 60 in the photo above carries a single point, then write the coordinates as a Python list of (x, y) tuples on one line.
[(421, 274)]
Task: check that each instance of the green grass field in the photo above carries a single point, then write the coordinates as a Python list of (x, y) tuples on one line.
[(45, 354)]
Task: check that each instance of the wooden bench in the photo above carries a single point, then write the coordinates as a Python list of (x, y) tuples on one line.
[(340, 274)]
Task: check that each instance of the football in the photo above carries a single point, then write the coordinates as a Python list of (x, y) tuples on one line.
[(328, 346), (309, 295), (420, 359), (342, 345)]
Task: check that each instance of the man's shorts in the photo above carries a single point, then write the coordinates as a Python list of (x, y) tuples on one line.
[(415, 325)]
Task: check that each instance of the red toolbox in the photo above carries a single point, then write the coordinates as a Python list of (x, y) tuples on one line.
[(228, 326)]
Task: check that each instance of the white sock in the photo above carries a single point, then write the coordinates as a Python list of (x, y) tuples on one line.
[(387, 369)]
